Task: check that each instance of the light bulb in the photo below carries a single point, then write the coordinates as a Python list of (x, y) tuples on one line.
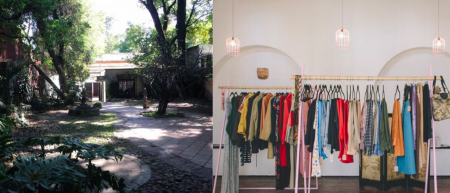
[(233, 43), (341, 35), (439, 43)]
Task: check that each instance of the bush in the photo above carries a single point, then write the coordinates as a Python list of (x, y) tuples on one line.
[(98, 105), (61, 174), (112, 90)]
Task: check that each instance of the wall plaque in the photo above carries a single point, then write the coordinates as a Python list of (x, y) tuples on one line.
[(263, 73)]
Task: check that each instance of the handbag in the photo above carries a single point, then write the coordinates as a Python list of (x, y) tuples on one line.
[(441, 102)]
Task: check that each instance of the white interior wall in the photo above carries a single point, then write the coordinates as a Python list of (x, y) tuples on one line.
[(388, 38)]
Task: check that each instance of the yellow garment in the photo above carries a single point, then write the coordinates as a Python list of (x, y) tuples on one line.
[(242, 127), (397, 131)]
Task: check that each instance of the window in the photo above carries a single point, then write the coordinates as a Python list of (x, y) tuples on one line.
[(126, 88)]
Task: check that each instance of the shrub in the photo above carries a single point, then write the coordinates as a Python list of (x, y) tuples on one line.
[(112, 90), (61, 174), (98, 105)]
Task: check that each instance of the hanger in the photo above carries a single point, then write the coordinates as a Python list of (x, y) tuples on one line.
[(383, 91), (358, 94), (378, 93), (397, 90)]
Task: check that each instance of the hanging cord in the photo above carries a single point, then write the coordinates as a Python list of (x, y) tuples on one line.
[(438, 19), (342, 14), (232, 17)]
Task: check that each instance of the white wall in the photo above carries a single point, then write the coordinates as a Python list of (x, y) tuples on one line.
[(388, 38)]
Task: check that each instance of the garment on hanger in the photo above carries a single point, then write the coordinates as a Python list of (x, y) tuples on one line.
[(231, 116), (236, 137), (345, 158), (377, 146), (406, 163), (363, 124), (427, 113), (368, 135), (353, 129), (230, 174), (413, 114), (244, 109), (305, 164), (254, 117), (310, 134), (333, 127), (322, 127), (385, 132), (315, 168), (397, 131)]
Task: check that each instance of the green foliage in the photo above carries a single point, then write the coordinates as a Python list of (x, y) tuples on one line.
[(6, 141), (112, 90), (74, 94), (31, 173), (154, 114), (200, 32), (42, 142), (98, 105), (111, 40), (15, 88), (133, 39)]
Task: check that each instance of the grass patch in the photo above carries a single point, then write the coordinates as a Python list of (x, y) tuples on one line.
[(97, 129), (168, 114)]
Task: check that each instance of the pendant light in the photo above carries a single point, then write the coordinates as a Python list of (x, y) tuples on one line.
[(233, 44), (438, 43), (342, 35)]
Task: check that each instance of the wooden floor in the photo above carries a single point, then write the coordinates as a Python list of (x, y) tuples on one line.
[(332, 184)]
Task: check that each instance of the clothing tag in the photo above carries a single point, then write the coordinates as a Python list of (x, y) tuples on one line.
[(396, 168), (409, 108), (331, 158)]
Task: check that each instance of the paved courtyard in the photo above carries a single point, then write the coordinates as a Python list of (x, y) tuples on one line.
[(183, 142)]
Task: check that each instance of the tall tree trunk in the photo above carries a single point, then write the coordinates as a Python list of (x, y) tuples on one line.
[(43, 74), (181, 27), (162, 106)]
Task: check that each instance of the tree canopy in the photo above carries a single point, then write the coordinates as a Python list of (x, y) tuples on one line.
[(65, 35)]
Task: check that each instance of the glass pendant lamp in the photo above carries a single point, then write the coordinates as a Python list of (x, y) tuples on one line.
[(438, 43), (342, 35), (233, 44)]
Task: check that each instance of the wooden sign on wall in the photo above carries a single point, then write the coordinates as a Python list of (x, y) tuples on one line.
[(263, 73)]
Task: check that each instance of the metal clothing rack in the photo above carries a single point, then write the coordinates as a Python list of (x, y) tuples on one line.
[(221, 139), (350, 78), (390, 78)]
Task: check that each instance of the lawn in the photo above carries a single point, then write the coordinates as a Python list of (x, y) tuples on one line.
[(99, 130)]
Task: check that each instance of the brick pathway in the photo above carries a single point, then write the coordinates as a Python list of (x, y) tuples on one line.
[(183, 142)]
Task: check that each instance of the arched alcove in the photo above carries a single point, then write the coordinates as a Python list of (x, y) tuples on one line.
[(241, 70)]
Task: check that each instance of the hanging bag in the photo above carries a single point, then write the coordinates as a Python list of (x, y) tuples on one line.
[(441, 102)]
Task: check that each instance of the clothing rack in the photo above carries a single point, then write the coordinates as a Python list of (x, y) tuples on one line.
[(388, 78), (257, 87), (351, 78)]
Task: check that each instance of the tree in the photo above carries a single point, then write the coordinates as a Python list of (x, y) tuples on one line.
[(63, 34), (170, 57), (133, 39), (111, 40)]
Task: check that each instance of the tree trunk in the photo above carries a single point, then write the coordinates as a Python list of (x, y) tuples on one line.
[(181, 28), (163, 103), (43, 74)]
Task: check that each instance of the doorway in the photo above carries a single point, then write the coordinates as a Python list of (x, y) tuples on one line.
[(126, 88)]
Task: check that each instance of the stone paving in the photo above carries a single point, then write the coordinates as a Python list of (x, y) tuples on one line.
[(182, 142)]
